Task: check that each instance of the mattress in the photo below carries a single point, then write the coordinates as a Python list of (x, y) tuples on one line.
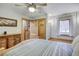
[(37, 47)]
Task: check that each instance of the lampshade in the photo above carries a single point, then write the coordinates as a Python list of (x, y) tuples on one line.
[(31, 9)]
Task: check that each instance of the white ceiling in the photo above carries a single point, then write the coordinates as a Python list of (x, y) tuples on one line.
[(20, 10), (51, 9), (60, 8), (54, 9)]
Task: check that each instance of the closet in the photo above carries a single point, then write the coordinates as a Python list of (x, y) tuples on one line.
[(32, 29)]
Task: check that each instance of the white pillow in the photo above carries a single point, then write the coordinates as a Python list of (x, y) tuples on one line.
[(76, 50), (75, 41)]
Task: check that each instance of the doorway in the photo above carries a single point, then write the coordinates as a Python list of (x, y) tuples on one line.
[(33, 29)]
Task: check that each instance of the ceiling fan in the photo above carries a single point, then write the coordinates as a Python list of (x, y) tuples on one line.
[(31, 6)]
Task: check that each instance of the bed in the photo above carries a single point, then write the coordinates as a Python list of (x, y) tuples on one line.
[(37, 47)]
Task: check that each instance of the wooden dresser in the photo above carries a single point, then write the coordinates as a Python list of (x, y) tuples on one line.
[(7, 41)]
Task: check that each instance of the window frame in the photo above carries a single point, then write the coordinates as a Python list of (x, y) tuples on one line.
[(64, 33)]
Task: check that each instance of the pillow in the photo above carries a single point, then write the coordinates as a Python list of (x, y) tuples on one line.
[(75, 41), (76, 50)]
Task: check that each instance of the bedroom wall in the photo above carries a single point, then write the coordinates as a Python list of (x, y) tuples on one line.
[(52, 22), (11, 11), (8, 12), (77, 27), (53, 25)]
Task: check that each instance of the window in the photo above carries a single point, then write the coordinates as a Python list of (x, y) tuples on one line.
[(64, 27)]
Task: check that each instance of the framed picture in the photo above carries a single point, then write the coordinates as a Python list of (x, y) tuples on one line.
[(8, 22)]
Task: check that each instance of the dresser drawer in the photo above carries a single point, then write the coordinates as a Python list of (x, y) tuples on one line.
[(11, 41), (17, 40), (3, 42)]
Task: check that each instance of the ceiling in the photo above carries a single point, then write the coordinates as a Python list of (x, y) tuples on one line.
[(52, 9), (60, 8)]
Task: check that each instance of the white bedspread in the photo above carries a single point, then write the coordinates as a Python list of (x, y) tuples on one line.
[(41, 48)]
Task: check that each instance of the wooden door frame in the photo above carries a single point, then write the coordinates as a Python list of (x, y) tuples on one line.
[(29, 21)]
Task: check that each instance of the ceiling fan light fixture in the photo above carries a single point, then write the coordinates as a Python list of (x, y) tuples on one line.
[(31, 9)]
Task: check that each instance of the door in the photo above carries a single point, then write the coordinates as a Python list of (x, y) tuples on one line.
[(25, 30), (33, 29), (42, 28)]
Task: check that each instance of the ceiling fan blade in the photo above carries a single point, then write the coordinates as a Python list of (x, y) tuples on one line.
[(35, 5), (41, 4), (28, 4), (20, 5)]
